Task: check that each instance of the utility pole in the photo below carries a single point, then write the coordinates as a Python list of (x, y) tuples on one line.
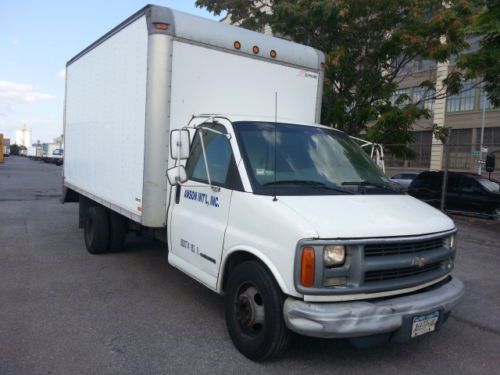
[(446, 153), (480, 166)]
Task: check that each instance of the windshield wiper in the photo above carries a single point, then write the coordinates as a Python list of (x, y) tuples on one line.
[(308, 183), (368, 183)]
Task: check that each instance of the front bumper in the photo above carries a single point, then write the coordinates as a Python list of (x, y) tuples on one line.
[(366, 318)]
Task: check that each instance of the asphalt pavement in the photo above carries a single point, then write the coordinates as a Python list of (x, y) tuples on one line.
[(64, 311)]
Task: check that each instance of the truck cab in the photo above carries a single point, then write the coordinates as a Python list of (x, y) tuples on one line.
[(352, 256)]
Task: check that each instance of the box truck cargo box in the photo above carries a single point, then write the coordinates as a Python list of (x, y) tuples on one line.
[(206, 135)]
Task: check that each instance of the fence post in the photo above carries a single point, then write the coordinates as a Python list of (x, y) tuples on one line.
[(446, 152)]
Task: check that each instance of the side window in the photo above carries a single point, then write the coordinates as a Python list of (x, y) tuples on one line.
[(435, 182), (453, 183), (219, 157), (469, 185)]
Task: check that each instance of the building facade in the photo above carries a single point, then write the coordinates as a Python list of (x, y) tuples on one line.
[(474, 122)]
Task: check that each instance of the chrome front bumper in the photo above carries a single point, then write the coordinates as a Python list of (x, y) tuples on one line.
[(366, 318)]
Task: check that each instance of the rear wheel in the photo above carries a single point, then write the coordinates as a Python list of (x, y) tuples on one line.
[(254, 312), (118, 231), (96, 230)]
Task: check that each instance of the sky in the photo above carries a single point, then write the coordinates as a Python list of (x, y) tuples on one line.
[(37, 38)]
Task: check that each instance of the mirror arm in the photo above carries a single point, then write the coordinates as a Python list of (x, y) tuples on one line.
[(205, 158), (179, 144)]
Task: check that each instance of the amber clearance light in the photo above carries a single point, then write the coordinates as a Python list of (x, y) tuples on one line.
[(161, 26), (307, 267)]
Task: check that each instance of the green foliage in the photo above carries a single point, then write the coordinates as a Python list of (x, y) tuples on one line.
[(367, 45), (14, 149), (486, 61)]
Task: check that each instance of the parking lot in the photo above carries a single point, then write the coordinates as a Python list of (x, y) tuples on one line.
[(64, 311)]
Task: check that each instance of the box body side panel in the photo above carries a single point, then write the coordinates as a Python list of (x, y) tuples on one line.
[(105, 119)]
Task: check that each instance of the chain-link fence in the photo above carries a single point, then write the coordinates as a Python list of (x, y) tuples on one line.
[(463, 157)]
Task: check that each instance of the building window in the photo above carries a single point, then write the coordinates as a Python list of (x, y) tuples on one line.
[(491, 137), (396, 96), (483, 99), (460, 145), (463, 101), (421, 96), (470, 98), (421, 146)]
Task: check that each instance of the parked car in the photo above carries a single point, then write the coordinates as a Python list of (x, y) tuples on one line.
[(466, 192), (404, 179)]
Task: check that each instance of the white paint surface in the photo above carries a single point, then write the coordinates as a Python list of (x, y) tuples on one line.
[(105, 118)]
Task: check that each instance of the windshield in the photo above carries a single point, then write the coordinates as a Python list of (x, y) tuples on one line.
[(309, 160), (489, 185)]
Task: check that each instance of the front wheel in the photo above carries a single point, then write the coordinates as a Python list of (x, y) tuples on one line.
[(254, 312)]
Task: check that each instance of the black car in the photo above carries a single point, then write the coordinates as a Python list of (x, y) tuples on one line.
[(466, 192)]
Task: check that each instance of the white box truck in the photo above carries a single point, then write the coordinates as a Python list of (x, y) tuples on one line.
[(54, 154), (31, 151), (212, 143)]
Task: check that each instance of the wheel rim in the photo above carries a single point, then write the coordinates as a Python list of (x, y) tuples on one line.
[(249, 309)]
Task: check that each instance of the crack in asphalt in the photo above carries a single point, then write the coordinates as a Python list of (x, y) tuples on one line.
[(479, 241), (473, 324)]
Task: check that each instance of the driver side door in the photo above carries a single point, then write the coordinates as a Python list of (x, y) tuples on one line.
[(201, 206)]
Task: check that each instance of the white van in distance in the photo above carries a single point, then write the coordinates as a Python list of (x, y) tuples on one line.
[(213, 145)]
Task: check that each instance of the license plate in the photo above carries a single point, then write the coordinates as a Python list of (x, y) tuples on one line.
[(423, 324)]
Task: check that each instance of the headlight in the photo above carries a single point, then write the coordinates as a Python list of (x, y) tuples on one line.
[(451, 242), (334, 255)]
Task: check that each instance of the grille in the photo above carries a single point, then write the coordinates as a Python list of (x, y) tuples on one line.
[(400, 272), (402, 248)]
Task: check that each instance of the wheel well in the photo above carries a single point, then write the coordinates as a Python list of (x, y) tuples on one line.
[(236, 258)]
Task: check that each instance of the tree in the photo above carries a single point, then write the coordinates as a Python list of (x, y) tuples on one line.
[(368, 45), (485, 62), (14, 149)]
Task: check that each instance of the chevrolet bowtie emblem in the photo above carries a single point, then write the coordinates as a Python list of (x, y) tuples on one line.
[(420, 262)]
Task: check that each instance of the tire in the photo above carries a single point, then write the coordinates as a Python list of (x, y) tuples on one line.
[(96, 230), (254, 312), (118, 231), (495, 215)]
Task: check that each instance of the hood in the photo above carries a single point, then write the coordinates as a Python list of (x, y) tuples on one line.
[(363, 216)]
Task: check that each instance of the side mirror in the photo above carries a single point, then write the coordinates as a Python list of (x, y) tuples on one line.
[(177, 175), (179, 144)]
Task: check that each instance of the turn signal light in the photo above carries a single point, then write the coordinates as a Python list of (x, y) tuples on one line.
[(161, 26), (307, 267)]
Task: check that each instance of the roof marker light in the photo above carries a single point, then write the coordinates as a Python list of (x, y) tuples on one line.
[(255, 49), (237, 45), (273, 54), (161, 26)]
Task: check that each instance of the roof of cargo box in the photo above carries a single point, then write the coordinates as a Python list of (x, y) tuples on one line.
[(219, 35)]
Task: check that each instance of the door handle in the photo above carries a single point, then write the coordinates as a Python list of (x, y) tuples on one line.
[(177, 194)]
